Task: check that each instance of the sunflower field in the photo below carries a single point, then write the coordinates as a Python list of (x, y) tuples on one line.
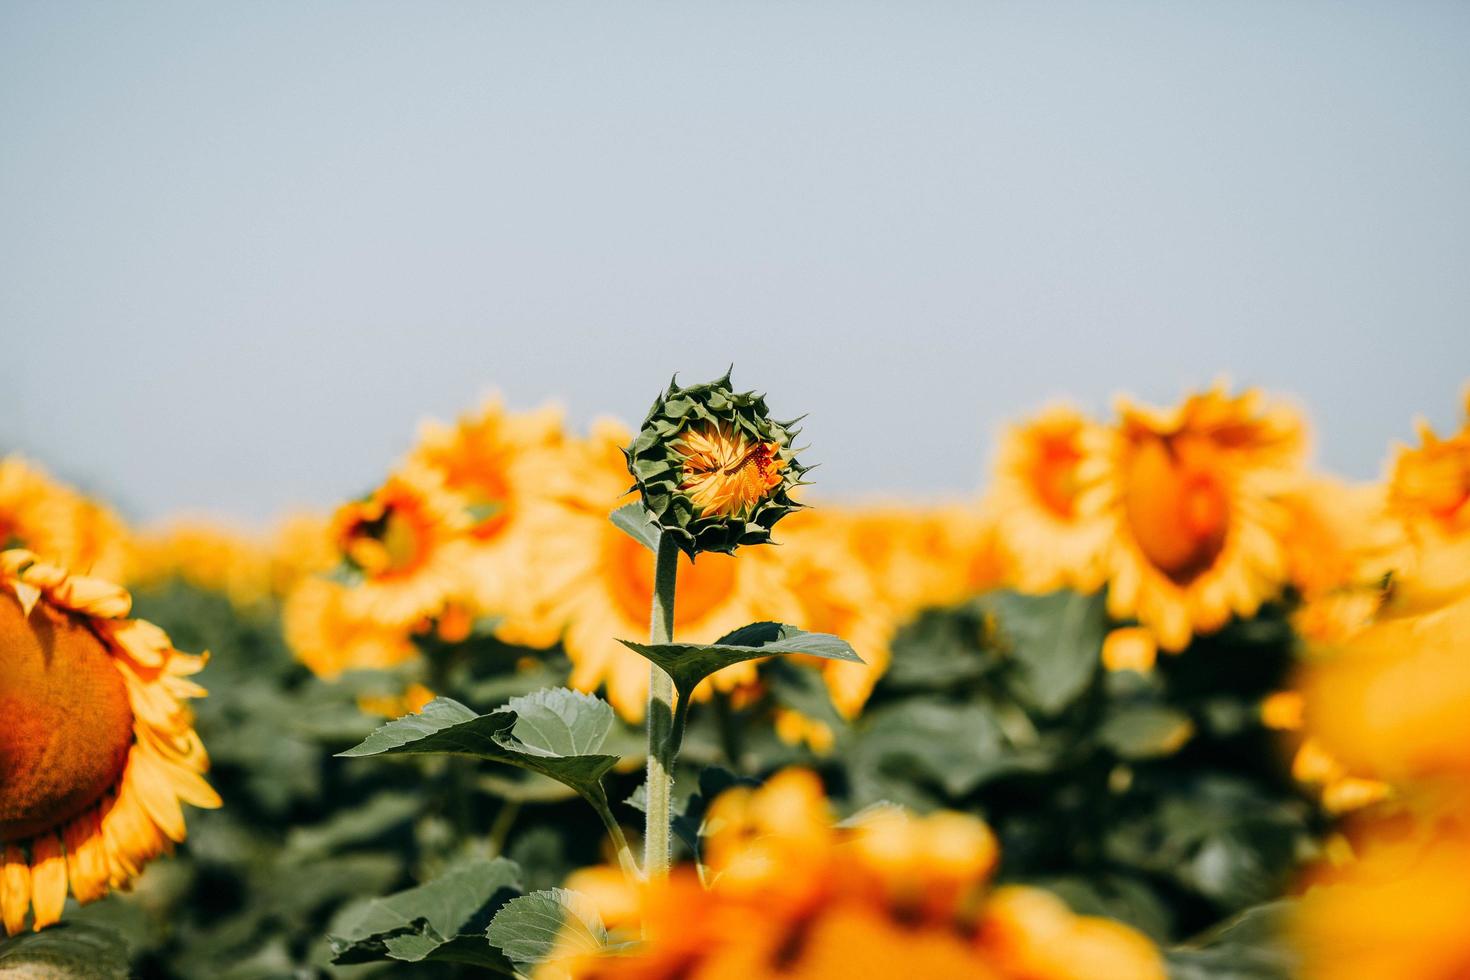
[(1158, 700)]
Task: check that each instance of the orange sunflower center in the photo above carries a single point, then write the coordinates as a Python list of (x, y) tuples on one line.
[(1178, 504), (1054, 473), (703, 585), (725, 473), (393, 542), (68, 724), (478, 473)]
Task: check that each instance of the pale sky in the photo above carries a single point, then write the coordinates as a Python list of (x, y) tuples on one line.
[(244, 248)]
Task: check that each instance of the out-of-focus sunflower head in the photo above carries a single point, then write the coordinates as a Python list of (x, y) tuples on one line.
[(1039, 473), (1192, 495), (407, 539), (1429, 492), (97, 748), (713, 468)]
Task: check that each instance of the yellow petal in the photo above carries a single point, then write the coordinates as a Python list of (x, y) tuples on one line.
[(48, 879), (15, 889)]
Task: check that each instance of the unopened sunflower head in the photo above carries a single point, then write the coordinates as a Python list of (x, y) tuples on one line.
[(714, 470)]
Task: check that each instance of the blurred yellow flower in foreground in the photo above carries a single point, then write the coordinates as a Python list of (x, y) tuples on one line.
[(1191, 497), (97, 749), (1429, 491), (886, 895)]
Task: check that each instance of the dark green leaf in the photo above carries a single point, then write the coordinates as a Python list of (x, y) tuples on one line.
[(441, 919), (690, 663), (1251, 946), (553, 718), (66, 950), (1056, 641)]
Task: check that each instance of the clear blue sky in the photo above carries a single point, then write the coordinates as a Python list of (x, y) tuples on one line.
[(245, 247)]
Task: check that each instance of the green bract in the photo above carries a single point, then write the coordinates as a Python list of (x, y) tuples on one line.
[(657, 461)]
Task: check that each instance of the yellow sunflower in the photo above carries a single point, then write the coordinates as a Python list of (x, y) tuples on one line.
[(596, 583), (1341, 545), (97, 749), (1049, 539), (207, 556), (1191, 498), (60, 524), (497, 463), (838, 595), (327, 633), (408, 539), (1429, 492)]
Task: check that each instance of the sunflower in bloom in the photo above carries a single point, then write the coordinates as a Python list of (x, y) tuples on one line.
[(925, 556), (595, 583), (496, 462), (209, 557), (97, 748), (838, 596), (1429, 492), (1048, 538), (891, 895), (1341, 546), (327, 633), (407, 540), (1190, 495), (59, 524)]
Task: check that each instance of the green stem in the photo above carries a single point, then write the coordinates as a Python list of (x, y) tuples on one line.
[(620, 840), (661, 748), (499, 830)]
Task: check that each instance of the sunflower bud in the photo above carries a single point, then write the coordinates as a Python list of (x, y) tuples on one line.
[(713, 468)]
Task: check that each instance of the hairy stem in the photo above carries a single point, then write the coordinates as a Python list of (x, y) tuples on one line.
[(661, 748)]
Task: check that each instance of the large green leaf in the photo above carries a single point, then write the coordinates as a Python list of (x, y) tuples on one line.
[(545, 926), (690, 663), (901, 747), (529, 734), (1056, 641), (66, 950), (635, 521), (442, 920)]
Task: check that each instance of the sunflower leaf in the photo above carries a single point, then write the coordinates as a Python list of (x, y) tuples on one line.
[(554, 732), (635, 521), (1145, 731), (67, 949), (546, 926), (690, 663), (441, 920), (1056, 641)]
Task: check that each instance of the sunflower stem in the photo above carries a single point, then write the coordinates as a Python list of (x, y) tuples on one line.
[(661, 747)]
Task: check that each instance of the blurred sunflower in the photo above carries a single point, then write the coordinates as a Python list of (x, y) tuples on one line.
[(595, 582), (837, 595), (924, 556), (1050, 541), (60, 524), (886, 895), (1341, 545), (207, 556), (408, 540), (1429, 491), (97, 750), (1190, 495), (325, 631), (497, 463)]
